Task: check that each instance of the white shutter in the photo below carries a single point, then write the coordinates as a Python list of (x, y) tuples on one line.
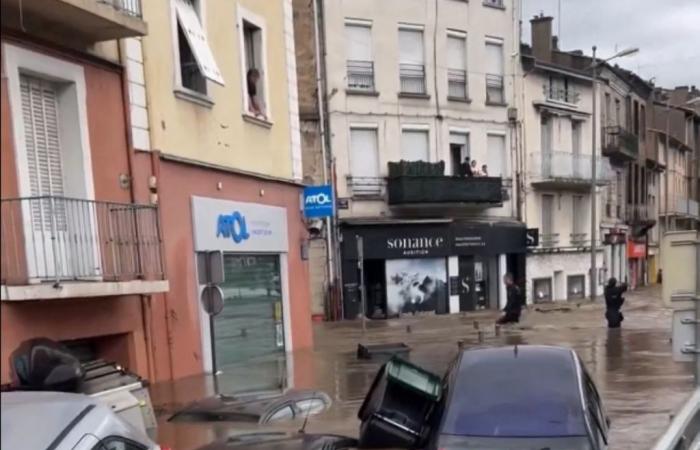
[(359, 42), (494, 58), (456, 52), (189, 21), (364, 157), (42, 143), (411, 47), (496, 162), (414, 145), (459, 138)]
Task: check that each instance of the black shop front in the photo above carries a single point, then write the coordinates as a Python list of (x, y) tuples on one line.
[(428, 266)]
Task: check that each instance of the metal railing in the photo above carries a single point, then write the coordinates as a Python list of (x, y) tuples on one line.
[(639, 213), (412, 78), (617, 137), (126, 7), (558, 94), (457, 83), (360, 75), (549, 240), (565, 165), (494, 89), (65, 239), (578, 239), (372, 187)]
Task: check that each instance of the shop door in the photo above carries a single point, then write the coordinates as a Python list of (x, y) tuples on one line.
[(467, 294), (248, 334)]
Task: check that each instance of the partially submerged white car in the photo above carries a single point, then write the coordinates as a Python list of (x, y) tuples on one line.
[(61, 421)]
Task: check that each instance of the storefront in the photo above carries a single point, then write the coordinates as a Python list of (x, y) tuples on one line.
[(615, 246), (636, 254), (436, 266)]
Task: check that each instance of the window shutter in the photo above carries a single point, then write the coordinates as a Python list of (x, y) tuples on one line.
[(189, 21), (494, 59), (414, 145), (364, 157), (411, 47), (496, 161), (359, 42), (41, 135), (456, 52)]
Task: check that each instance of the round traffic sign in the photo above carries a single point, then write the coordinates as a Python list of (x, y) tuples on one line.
[(212, 299)]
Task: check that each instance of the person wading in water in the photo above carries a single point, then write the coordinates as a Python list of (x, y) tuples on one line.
[(613, 302), (514, 305)]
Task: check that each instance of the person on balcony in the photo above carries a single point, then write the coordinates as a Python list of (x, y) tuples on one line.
[(475, 169), (465, 168), (484, 171)]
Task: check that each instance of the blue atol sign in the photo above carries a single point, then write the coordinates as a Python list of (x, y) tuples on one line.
[(232, 226), (318, 201)]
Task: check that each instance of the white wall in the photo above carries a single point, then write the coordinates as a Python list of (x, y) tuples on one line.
[(545, 265)]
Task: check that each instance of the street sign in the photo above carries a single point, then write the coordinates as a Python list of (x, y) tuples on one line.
[(532, 237), (210, 267), (318, 201), (212, 299)]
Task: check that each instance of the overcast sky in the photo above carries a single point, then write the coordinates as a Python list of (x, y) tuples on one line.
[(667, 33)]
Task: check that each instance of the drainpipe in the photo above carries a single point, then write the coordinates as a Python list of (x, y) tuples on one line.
[(320, 95)]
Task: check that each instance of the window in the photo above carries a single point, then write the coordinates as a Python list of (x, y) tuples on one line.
[(643, 120), (494, 3), (414, 144), (360, 64), (607, 110), (578, 215), (364, 161), (196, 62), (411, 60), (576, 140), (559, 89), (459, 150), (542, 290), (284, 413), (636, 118), (618, 120), (594, 408), (255, 75), (456, 65), (548, 238), (494, 72), (496, 162), (575, 287)]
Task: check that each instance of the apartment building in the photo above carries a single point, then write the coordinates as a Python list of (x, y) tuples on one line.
[(81, 242), (631, 199), (412, 90), (222, 115), (556, 107)]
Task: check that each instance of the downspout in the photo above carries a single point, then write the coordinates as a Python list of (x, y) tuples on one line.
[(320, 96), (143, 300)]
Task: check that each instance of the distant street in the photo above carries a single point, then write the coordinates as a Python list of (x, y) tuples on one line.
[(640, 383)]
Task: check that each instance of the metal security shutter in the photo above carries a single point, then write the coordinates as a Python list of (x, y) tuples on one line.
[(358, 42), (411, 47), (414, 145), (42, 142)]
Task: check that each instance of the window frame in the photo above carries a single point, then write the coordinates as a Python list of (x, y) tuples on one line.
[(548, 299), (243, 14), (452, 33)]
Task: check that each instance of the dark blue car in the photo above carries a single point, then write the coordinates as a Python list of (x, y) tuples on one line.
[(520, 398)]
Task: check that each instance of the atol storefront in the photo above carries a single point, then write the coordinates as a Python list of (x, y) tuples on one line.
[(439, 266), (255, 325)]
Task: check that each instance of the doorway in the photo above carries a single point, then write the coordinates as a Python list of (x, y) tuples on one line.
[(375, 285)]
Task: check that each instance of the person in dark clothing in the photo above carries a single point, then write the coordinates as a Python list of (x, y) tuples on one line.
[(466, 168), (515, 301), (613, 302)]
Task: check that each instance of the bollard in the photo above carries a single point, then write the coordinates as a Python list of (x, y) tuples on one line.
[(408, 329), (476, 325), (481, 337), (497, 328)]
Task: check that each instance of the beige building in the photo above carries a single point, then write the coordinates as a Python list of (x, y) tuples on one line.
[(428, 81)]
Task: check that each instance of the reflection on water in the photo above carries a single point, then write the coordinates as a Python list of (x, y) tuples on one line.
[(632, 366)]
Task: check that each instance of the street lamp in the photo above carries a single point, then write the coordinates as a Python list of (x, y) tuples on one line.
[(594, 181)]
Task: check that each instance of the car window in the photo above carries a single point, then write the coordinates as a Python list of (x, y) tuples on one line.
[(118, 443), (282, 414), (311, 406), (595, 408)]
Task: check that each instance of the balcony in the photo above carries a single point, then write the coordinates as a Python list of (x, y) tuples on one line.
[(549, 240), (360, 76), (412, 78), (456, 84), (494, 90), (561, 95), (57, 247), (619, 144), (85, 20), (409, 185), (579, 240), (681, 207), (566, 171)]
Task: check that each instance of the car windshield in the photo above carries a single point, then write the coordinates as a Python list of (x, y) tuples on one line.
[(528, 395), (480, 443)]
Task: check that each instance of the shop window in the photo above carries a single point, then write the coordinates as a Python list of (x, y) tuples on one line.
[(542, 290), (576, 287)]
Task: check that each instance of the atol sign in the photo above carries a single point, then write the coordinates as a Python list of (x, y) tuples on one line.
[(318, 201)]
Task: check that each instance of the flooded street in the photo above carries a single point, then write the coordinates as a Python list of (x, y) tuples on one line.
[(632, 367)]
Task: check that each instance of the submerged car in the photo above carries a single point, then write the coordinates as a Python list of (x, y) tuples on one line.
[(519, 398), (259, 408), (283, 441), (62, 421)]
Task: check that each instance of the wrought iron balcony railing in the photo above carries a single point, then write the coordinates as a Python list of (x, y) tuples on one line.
[(360, 75), (66, 239), (412, 78)]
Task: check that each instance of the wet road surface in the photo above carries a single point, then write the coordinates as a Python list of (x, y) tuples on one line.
[(633, 367)]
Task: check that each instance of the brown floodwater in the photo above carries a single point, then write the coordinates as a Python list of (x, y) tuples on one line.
[(633, 368)]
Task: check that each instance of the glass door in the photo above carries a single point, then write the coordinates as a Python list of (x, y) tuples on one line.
[(248, 334)]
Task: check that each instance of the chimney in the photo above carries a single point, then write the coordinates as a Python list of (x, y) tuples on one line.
[(541, 29)]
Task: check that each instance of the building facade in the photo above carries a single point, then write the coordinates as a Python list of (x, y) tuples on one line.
[(412, 91), (223, 125), (556, 106), (81, 242)]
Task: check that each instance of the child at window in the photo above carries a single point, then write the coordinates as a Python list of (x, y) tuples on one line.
[(252, 78)]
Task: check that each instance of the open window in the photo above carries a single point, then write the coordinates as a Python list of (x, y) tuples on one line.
[(196, 61), (254, 65)]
